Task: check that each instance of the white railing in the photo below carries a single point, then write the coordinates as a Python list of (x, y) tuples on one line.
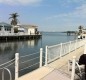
[(42, 58), (5, 67), (76, 69), (56, 51), (22, 63)]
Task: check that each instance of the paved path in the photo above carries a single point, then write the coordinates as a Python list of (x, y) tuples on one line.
[(51, 71), (56, 75)]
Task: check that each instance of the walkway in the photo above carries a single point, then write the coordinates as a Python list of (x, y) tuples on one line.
[(56, 70)]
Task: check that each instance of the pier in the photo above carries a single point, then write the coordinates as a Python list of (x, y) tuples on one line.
[(52, 66), (69, 33), (17, 36)]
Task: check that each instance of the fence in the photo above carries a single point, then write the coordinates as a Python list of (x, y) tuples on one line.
[(5, 69), (22, 64), (36, 60), (56, 51)]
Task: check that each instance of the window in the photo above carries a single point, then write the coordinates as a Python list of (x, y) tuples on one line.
[(7, 29)]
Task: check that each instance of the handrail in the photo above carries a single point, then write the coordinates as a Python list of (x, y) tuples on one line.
[(29, 55), (7, 62), (10, 75), (62, 49)]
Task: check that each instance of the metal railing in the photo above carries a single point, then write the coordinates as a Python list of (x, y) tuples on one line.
[(42, 58), (56, 51), (76, 69), (4, 67), (10, 75)]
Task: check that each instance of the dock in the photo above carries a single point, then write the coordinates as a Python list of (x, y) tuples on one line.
[(19, 37), (56, 70)]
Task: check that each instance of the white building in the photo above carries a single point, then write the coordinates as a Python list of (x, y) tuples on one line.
[(30, 29), (5, 28)]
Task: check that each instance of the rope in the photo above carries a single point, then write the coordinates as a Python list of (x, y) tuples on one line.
[(28, 55), (7, 62), (28, 67), (28, 60)]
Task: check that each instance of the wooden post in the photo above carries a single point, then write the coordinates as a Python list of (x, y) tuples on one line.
[(16, 65), (41, 52), (73, 68), (46, 56)]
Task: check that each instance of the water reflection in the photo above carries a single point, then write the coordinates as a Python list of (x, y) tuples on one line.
[(8, 49)]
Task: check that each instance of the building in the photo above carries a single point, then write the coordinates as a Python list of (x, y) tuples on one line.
[(30, 29), (5, 28)]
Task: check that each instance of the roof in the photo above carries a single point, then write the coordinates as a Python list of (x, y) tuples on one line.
[(28, 26), (4, 24)]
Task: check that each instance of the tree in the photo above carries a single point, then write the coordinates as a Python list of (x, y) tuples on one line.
[(14, 20), (80, 29)]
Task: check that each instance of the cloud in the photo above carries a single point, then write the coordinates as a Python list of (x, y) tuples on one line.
[(20, 2), (69, 20), (67, 3), (79, 12)]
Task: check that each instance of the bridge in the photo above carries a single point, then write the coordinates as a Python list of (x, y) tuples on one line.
[(53, 62)]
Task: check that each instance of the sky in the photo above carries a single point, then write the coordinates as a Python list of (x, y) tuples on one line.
[(48, 15)]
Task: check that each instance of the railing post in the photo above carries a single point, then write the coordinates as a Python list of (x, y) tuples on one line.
[(16, 65), (61, 50), (70, 46), (73, 68), (46, 56), (75, 44), (3, 74), (41, 53)]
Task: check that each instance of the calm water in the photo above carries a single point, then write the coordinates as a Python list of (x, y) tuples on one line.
[(8, 49)]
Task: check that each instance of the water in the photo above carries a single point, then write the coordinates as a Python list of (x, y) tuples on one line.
[(8, 49)]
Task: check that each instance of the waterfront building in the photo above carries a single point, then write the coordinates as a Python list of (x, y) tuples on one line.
[(30, 29), (5, 28), (81, 32), (18, 32)]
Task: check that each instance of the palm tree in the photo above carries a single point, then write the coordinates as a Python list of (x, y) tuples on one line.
[(80, 29), (14, 20)]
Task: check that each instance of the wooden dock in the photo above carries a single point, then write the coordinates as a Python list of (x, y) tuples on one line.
[(19, 37), (56, 70)]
